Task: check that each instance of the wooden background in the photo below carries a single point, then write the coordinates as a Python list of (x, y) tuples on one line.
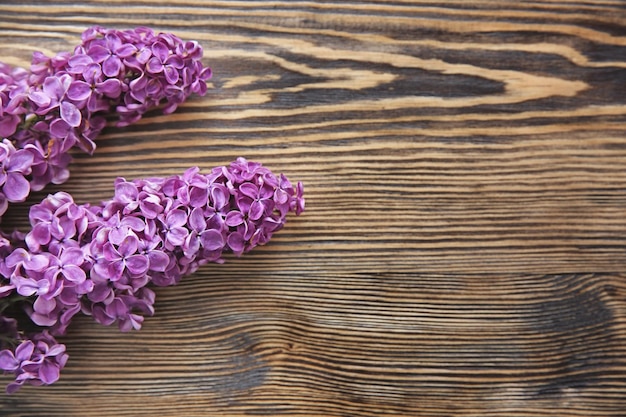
[(464, 246)]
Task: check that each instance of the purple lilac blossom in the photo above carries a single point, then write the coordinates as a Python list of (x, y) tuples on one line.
[(99, 260), (37, 360), (65, 100)]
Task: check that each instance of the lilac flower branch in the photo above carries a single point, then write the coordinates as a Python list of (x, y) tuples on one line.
[(64, 101), (99, 260)]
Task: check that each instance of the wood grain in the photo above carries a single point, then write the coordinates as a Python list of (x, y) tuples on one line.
[(464, 245)]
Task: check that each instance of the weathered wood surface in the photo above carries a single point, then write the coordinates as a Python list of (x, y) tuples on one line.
[(464, 245)]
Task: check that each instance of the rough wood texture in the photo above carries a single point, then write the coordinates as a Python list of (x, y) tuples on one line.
[(464, 245)]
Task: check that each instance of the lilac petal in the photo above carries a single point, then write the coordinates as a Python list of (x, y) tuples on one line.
[(98, 53), (196, 220), (39, 213), (113, 40), (129, 245), (73, 256), (117, 308), (117, 235), (16, 188), (125, 50), (90, 34), (139, 83), (256, 210), (101, 316), (24, 351), (49, 373), (248, 228), (53, 87), (8, 125), (158, 260), (78, 62), (75, 212), (71, 114), (300, 203), (176, 218), (137, 264), (84, 287), (6, 148), (171, 186), (236, 242), (111, 88), (160, 50), (59, 128), (234, 218), (115, 270), (219, 196), (144, 55), (171, 74), (198, 197), (133, 321), (175, 61), (36, 263), (42, 320), (28, 287), (193, 49), (244, 203), (92, 73), (135, 223), (56, 350), (79, 90), (40, 98), (153, 87), (16, 257), (112, 66), (125, 192), (100, 293), (200, 87), (151, 207), (6, 290), (154, 65), (192, 245), (8, 362), (140, 280), (171, 107), (139, 95), (212, 240), (266, 190), (67, 227), (65, 80), (74, 274), (176, 236), (281, 196), (43, 306), (109, 252), (21, 161), (13, 387), (249, 190), (97, 104)]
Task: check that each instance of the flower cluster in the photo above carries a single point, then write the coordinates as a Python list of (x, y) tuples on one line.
[(99, 259), (64, 101), (36, 361)]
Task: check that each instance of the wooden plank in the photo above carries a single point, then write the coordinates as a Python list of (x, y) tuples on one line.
[(463, 248)]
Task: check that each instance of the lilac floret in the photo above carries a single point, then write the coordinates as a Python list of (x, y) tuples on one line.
[(15, 169)]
